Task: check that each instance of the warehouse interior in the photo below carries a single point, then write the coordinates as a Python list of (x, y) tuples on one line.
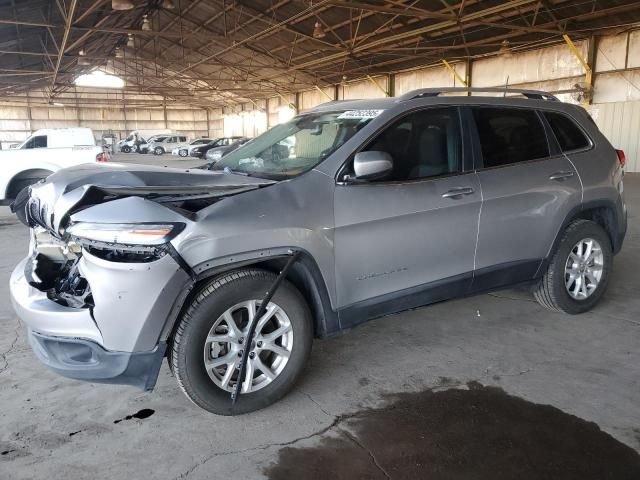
[(237, 68), (208, 68)]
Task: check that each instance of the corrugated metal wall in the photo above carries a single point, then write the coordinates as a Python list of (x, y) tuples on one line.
[(17, 122), (620, 122)]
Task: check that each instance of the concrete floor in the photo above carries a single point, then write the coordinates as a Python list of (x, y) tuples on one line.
[(587, 365)]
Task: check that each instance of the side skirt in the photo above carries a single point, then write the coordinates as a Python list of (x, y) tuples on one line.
[(510, 274)]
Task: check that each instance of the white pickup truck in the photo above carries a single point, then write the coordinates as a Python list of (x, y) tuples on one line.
[(43, 153)]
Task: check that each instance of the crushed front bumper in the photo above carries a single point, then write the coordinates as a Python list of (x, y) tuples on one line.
[(116, 341)]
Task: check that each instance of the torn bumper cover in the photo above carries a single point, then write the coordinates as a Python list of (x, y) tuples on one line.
[(85, 360), (117, 340)]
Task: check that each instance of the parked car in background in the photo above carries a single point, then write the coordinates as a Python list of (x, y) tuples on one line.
[(216, 153), (138, 137), (388, 204), (186, 151), (144, 146), (159, 147), (201, 150), (43, 153)]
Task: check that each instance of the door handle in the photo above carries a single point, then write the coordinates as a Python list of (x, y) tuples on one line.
[(457, 192), (560, 176)]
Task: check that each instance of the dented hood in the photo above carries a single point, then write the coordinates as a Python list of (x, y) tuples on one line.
[(71, 189)]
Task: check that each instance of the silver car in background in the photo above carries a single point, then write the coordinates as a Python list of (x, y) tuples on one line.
[(382, 206), (217, 152)]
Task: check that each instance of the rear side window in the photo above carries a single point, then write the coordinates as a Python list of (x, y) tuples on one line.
[(509, 135), (568, 134), (182, 139)]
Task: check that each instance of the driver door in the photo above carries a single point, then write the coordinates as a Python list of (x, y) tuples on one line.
[(409, 239)]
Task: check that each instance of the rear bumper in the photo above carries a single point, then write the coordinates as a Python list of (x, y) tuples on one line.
[(82, 359)]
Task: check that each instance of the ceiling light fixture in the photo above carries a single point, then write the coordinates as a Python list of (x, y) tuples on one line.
[(146, 26), (130, 42), (168, 5), (505, 49), (122, 4), (119, 53), (82, 59), (318, 31)]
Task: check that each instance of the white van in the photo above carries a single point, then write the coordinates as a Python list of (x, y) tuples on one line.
[(137, 137), (43, 153)]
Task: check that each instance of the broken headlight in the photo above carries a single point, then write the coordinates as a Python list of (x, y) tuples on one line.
[(125, 233)]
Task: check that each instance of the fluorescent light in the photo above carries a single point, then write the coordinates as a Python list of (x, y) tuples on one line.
[(99, 79)]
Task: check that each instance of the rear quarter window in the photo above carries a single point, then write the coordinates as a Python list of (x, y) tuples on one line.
[(569, 135), (510, 135)]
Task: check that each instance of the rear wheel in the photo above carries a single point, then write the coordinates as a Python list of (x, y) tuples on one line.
[(158, 151), (211, 336), (578, 273)]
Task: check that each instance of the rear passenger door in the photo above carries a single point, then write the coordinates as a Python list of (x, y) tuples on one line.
[(528, 187)]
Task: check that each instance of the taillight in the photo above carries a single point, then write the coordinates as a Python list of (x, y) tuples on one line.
[(621, 158), (102, 157)]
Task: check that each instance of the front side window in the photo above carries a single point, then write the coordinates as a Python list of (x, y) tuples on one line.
[(510, 135), (36, 142), (292, 148), (422, 144), (569, 135)]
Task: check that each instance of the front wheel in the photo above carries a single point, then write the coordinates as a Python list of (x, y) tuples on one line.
[(578, 273), (125, 149), (211, 336), (158, 151), (183, 152)]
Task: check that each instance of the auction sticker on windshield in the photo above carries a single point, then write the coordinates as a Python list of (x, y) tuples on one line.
[(360, 114)]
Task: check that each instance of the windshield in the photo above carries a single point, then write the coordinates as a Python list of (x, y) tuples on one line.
[(297, 146)]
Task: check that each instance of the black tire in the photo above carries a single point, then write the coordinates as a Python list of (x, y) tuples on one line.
[(125, 149), (158, 151), (183, 152), (551, 292), (187, 345)]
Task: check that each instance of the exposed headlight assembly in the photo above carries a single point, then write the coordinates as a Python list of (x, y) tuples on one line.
[(125, 233)]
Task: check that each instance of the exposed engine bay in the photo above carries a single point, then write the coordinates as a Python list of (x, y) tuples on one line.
[(54, 270)]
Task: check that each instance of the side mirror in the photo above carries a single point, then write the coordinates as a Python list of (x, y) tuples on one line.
[(372, 165)]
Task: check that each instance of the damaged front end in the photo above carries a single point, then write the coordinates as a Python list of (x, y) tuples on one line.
[(53, 269), (103, 277)]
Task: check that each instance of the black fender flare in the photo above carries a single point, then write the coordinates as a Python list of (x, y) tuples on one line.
[(304, 274), (616, 234)]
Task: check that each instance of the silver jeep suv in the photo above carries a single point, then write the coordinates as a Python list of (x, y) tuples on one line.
[(350, 211)]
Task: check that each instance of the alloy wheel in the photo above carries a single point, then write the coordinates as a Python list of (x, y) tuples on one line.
[(583, 269), (269, 351)]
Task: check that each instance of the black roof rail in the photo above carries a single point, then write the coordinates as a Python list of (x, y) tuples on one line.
[(434, 92)]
